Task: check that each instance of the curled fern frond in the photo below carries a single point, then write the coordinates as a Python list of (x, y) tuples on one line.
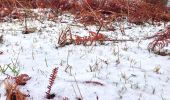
[(51, 82)]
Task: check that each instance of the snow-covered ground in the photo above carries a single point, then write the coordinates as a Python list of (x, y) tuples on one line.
[(126, 70)]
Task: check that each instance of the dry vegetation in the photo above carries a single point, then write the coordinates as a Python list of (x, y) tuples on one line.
[(161, 40), (12, 87), (88, 12), (92, 11)]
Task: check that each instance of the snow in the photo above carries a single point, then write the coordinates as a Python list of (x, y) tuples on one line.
[(126, 69)]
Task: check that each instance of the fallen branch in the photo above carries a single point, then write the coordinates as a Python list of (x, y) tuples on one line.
[(94, 83), (120, 40)]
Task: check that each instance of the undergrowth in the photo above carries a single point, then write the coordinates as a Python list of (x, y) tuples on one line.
[(96, 12), (161, 40)]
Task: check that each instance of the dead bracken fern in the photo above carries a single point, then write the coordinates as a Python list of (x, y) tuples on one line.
[(13, 92), (22, 79), (51, 82), (94, 11), (161, 40), (89, 40), (137, 11), (66, 38)]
